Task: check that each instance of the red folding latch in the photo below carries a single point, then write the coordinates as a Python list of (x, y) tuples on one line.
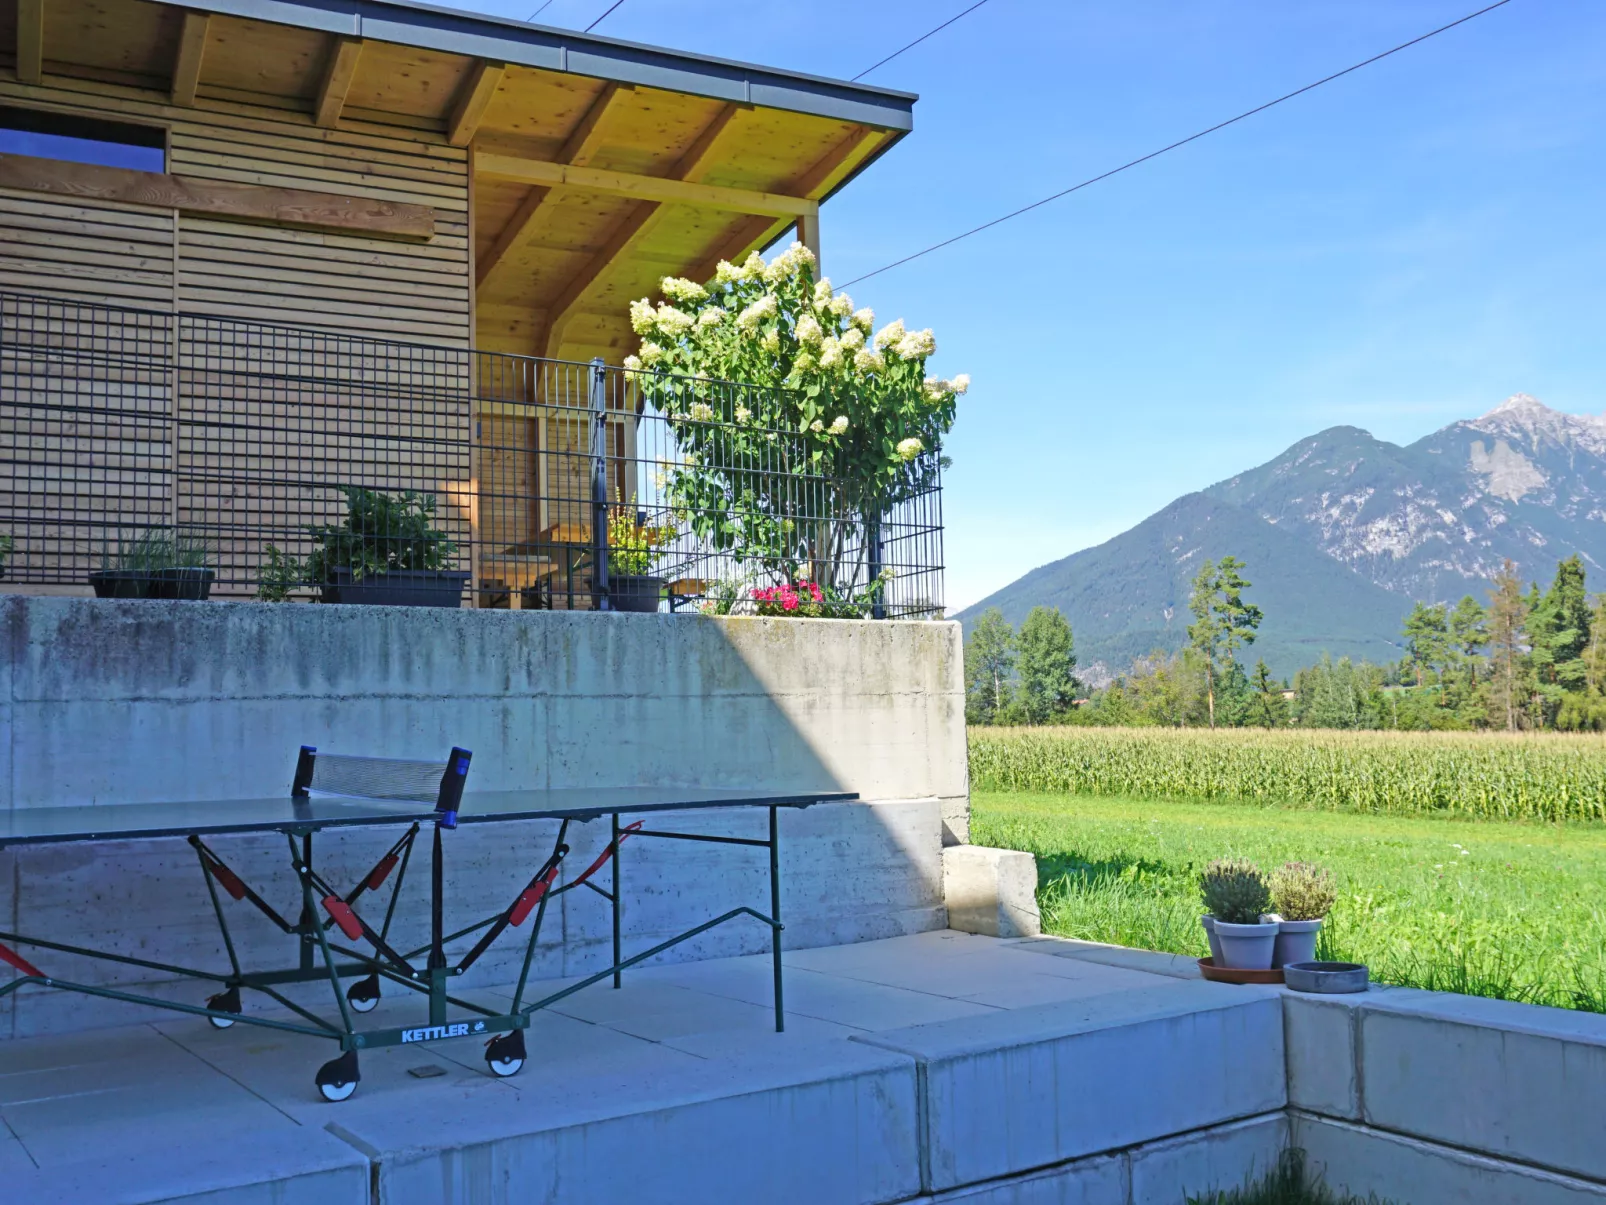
[(608, 852), (226, 878), (343, 915), (381, 872)]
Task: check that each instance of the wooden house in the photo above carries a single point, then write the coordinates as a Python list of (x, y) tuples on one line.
[(362, 171)]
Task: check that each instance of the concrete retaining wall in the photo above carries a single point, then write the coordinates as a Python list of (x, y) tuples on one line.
[(1426, 1096), (108, 702)]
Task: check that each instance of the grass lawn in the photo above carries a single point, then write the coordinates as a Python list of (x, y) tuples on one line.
[(1491, 908)]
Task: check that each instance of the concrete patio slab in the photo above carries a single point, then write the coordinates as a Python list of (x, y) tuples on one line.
[(898, 1059)]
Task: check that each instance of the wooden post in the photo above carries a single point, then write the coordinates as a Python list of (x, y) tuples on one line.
[(30, 47), (808, 233)]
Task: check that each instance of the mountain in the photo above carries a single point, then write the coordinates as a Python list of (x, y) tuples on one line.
[(1341, 534)]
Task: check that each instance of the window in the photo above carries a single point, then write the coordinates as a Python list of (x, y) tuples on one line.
[(47, 135)]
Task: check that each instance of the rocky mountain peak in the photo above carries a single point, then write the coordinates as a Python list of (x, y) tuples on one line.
[(1526, 420)]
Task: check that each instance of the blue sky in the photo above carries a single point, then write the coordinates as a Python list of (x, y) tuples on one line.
[(1400, 249)]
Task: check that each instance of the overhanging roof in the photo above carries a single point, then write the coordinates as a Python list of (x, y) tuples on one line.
[(453, 31)]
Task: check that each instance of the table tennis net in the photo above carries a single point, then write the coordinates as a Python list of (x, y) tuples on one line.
[(377, 777)]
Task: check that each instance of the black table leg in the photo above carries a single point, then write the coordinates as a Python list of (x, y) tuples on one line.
[(775, 917)]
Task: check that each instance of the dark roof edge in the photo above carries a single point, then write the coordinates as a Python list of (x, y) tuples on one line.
[(504, 40)]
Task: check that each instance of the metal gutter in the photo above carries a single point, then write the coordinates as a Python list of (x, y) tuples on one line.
[(500, 39)]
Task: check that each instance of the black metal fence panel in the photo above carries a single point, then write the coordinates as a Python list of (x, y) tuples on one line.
[(287, 463)]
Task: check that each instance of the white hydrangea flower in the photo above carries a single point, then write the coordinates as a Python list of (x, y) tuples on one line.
[(864, 319), (673, 322), (633, 363), (961, 383), (771, 342), (691, 460), (702, 412), (842, 306), (743, 414), (890, 333), (805, 362), (830, 353), (712, 316), (852, 339), (651, 353), (816, 426), (788, 263), (839, 424), (753, 266), (916, 344), (728, 273), (809, 330), (822, 291), (765, 307), (869, 361), (909, 448), (678, 288), (642, 316)]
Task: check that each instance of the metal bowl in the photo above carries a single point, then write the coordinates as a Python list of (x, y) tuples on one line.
[(1330, 978)]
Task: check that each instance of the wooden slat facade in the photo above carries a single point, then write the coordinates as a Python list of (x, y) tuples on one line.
[(340, 281)]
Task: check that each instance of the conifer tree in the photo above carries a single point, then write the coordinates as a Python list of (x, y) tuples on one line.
[(1509, 648)]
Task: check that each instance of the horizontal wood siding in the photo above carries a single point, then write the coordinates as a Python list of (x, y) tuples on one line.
[(107, 254), (411, 291)]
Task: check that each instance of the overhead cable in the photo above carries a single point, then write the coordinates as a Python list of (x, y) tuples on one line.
[(919, 40), (599, 20), (1220, 125)]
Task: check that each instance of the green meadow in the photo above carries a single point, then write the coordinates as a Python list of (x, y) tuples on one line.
[(1509, 909)]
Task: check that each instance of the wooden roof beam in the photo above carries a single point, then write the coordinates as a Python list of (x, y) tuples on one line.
[(583, 142), (820, 178), (473, 98), (691, 168), (187, 62), (338, 73), (641, 188), (30, 41)]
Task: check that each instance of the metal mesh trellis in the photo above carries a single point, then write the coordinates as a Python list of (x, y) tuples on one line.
[(302, 458)]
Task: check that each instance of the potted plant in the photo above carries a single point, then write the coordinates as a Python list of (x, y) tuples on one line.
[(386, 553), (632, 548), (157, 563), (1303, 895), (1236, 896)]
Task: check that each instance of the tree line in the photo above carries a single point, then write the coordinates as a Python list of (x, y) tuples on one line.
[(1528, 659)]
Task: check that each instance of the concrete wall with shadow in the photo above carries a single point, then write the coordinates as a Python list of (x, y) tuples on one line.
[(105, 703)]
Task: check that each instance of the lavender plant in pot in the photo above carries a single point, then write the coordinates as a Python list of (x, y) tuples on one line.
[(1303, 894), (1237, 896)]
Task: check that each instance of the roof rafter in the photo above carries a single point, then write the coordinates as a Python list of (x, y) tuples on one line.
[(825, 174), (473, 98), (690, 168), (582, 143), (641, 188), (338, 73), (187, 62), (30, 41)]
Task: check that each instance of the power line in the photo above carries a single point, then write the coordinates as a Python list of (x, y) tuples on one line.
[(599, 20), (918, 40), (1220, 125), (538, 12)]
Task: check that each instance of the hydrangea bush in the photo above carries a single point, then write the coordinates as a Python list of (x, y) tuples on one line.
[(826, 427)]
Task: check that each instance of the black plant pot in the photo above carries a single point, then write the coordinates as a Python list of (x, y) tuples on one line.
[(191, 583), (397, 588), (122, 583), (637, 593), (188, 583)]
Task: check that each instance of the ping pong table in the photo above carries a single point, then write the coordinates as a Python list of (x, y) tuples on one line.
[(335, 792)]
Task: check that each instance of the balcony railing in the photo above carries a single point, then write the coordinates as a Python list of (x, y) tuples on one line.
[(123, 430)]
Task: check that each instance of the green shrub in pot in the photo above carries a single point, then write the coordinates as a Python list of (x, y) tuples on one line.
[(1236, 894), (1302, 894)]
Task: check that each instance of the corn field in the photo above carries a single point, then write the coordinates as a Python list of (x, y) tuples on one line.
[(1475, 775)]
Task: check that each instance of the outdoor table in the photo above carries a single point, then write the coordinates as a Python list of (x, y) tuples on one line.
[(425, 970)]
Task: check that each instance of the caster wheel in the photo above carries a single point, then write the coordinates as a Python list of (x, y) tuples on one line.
[(337, 1079), (224, 1002), (364, 994), (505, 1055)]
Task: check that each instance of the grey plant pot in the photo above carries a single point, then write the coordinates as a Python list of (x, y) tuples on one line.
[(1208, 920), (1296, 942), (1247, 947)]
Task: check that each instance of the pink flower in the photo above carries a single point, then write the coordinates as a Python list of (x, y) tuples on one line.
[(789, 601)]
